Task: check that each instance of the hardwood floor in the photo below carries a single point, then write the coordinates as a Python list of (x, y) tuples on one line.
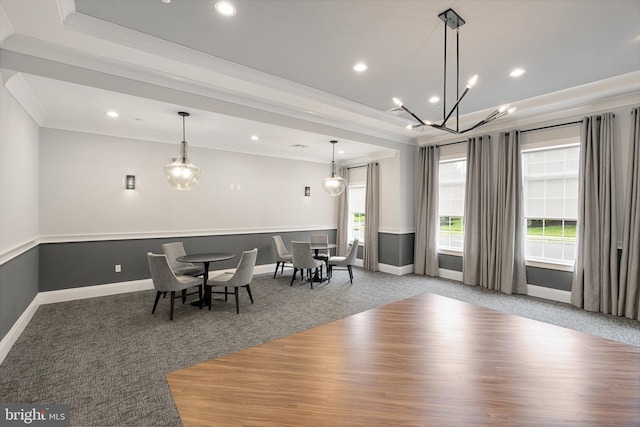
[(427, 360)]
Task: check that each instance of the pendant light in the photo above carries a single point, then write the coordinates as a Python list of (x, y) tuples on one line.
[(182, 174), (334, 184)]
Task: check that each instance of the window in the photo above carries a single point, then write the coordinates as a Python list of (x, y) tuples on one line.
[(551, 202), (356, 195), (451, 188)]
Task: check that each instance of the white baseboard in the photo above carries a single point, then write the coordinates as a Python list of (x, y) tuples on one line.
[(16, 330), (395, 270), (62, 295), (450, 274), (549, 293), (532, 290)]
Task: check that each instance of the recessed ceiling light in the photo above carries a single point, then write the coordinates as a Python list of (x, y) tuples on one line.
[(225, 8), (340, 151), (517, 72), (360, 67), (254, 137), (112, 114), (434, 99), (166, 1)]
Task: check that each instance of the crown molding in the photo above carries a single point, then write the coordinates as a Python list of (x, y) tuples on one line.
[(6, 30), (33, 56), (151, 57), (18, 87)]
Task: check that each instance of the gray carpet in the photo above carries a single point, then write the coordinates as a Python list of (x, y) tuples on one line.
[(106, 357)]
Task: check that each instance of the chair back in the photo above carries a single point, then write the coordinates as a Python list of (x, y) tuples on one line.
[(350, 259), (244, 271), (172, 251), (302, 257), (323, 239), (280, 250), (162, 276), (320, 238)]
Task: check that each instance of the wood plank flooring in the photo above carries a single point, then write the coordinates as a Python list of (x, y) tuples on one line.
[(424, 361)]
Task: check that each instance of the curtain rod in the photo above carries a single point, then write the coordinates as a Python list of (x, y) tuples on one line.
[(358, 167), (551, 126), (522, 131)]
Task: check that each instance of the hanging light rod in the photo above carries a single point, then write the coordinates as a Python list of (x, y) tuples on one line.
[(453, 21)]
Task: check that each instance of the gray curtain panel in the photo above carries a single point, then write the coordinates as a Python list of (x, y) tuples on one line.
[(426, 238), (477, 212), (342, 235), (629, 302), (595, 276), (506, 257), (372, 222)]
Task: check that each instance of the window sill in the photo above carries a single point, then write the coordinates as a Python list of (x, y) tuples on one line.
[(549, 265), (453, 252)]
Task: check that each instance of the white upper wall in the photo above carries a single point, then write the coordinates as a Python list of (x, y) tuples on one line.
[(82, 191), (18, 175)]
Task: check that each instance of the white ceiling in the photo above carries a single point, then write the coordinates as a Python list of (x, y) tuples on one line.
[(281, 69)]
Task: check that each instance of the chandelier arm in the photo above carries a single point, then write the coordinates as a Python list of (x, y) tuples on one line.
[(446, 129), (413, 115), (455, 107), (480, 123)]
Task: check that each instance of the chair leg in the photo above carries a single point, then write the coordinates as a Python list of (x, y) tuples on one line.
[(184, 296), (225, 294), (237, 302), (350, 274), (276, 272), (310, 275), (173, 298), (155, 304), (248, 288), (208, 296), (295, 270), (200, 295)]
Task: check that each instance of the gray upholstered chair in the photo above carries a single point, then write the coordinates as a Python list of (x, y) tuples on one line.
[(303, 260), (283, 256), (174, 250), (165, 280), (240, 278), (344, 261), (323, 254)]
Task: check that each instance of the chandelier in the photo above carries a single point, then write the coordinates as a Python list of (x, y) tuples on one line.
[(181, 173), (334, 184), (453, 21)]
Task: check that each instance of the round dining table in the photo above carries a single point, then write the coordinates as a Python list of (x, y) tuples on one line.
[(316, 247), (205, 259)]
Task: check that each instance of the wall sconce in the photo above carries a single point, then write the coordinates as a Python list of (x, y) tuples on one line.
[(130, 182), (307, 191)]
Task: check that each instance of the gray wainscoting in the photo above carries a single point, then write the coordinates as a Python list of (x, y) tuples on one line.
[(396, 249), (18, 287), (76, 264), (554, 279)]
